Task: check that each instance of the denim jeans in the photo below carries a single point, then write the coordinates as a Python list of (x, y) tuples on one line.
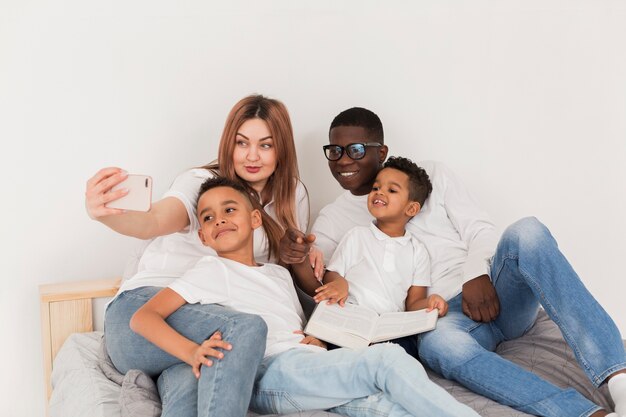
[(300, 379), (223, 389), (528, 270)]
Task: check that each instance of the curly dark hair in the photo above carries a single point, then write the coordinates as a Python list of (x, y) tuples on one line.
[(360, 117), (419, 182), (223, 182)]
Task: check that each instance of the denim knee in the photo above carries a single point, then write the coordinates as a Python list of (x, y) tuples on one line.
[(248, 331), (249, 326), (526, 234), (385, 354), (446, 351)]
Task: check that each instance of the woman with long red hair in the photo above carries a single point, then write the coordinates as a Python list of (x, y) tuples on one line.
[(256, 148)]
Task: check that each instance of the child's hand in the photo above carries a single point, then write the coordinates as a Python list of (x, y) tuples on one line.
[(436, 301), (207, 348), (310, 340), (335, 292)]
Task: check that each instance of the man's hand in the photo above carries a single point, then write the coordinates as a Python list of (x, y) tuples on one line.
[(480, 300), (295, 246)]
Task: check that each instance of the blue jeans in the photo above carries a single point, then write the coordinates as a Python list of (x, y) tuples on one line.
[(223, 389), (527, 270), (300, 379)]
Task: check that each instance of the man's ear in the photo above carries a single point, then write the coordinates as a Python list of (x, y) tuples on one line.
[(382, 153), (201, 236), (412, 209), (255, 217)]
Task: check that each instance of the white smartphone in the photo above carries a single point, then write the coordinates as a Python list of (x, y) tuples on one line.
[(139, 197)]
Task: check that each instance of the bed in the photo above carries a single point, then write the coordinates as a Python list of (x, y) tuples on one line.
[(77, 386)]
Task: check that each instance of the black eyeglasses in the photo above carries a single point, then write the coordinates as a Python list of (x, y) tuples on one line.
[(353, 150)]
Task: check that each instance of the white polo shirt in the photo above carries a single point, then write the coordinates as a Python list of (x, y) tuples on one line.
[(266, 290), (458, 234), (168, 257), (380, 269)]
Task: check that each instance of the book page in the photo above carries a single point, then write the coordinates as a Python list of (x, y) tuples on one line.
[(394, 325), (337, 337), (351, 318)]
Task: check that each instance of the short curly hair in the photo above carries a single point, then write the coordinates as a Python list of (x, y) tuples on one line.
[(361, 117), (419, 182), (215, 182)]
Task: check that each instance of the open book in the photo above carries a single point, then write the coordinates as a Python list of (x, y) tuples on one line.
[(356, 327)]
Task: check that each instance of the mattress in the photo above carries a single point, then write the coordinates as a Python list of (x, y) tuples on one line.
[(81, 389)]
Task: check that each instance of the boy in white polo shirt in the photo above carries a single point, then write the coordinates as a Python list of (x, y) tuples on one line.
[(297, 373), (383, 266)]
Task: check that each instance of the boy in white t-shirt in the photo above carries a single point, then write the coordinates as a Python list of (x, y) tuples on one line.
[(297, 373), (383, 266)]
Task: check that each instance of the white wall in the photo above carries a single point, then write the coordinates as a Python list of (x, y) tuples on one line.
[(524, 99)]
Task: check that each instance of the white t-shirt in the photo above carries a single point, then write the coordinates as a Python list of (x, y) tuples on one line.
[(459, 236), (265, 290), (168, 257), (379, 268)]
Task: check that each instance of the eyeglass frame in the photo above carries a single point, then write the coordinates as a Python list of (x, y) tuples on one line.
[(343, 149)]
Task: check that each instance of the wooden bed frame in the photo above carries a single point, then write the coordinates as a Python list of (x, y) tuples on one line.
[(66, 308)]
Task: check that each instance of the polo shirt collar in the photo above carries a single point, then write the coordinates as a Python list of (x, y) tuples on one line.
[(380, 235)]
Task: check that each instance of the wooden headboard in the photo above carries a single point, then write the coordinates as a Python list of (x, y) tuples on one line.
[(66, 308)]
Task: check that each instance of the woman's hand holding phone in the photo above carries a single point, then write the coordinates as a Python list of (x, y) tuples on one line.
[(113, 191), (123, 202), (97, 192), (138, 196)]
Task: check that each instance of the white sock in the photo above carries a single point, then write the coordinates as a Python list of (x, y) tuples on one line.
[(612, 415), (617, 388)]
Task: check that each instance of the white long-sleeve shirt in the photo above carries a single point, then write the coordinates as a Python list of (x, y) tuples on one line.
[(459, 236)]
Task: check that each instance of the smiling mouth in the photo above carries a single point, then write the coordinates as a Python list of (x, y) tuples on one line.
[(378, 202), (222, 232), (347, 174)]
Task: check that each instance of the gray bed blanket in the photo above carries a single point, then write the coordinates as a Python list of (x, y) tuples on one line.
[(542, 350)]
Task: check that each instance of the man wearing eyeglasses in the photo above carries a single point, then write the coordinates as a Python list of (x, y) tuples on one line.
[(355, 154), (351, 171), (476, 271)]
